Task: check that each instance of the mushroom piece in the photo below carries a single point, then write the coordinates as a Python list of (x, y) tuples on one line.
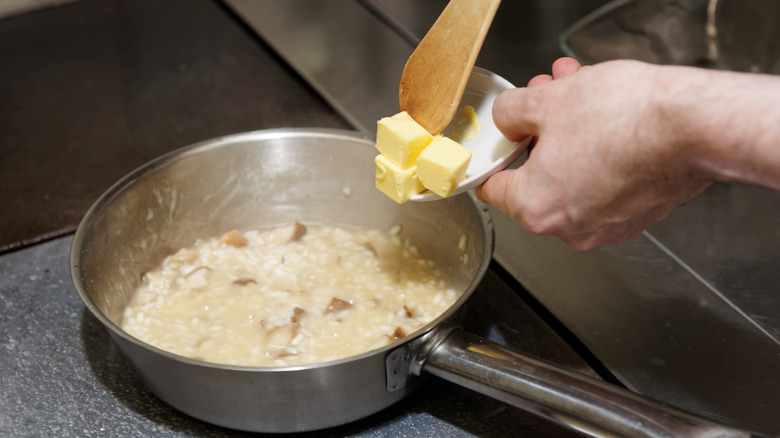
[(233, 238), (280, 337), (184, 256), (197, 277), (244, 281), (297, 311), (370, 246), (337, 305), (398, 334), (299, 230), (195, 271)]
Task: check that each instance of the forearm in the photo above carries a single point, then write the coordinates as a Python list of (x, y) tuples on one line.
[(730, 121), (621, 144)]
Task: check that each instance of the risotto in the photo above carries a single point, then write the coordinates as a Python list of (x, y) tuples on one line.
[(287, 296)]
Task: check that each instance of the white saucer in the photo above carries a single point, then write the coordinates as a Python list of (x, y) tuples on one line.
[(491, 151)]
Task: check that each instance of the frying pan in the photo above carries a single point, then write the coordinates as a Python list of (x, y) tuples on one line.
[(273, 177)]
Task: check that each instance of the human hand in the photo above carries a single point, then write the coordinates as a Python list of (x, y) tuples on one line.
[(603, 166)]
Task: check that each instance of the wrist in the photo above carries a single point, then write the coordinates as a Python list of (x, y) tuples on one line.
[(676, 104), (726, 124)]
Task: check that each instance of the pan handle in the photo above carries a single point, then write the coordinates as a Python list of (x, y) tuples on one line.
[(577, 401)]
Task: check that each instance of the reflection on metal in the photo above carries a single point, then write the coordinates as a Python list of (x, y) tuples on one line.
[(688, 314), (737, 35), (658, 328), (709, 286), (9, 8), (339, 47), (581, 402)]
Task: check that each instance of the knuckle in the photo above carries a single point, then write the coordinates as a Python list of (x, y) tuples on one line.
[(582, 244), (541, 221)]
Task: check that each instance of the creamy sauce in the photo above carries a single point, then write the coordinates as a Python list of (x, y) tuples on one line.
[(287, 296)]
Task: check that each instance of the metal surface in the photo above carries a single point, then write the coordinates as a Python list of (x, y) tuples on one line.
[(585, 404), (63, 376), (249, 181), (264, 178), (98, 87), (341, 49), (687, 314), (738, 35)]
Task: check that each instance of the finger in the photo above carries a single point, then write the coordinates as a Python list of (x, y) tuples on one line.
[(539, 79), (499, 189), (616, 233), (514, 113), (563, 67)]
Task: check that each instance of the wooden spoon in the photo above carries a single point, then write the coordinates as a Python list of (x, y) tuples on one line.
[(435, 76)]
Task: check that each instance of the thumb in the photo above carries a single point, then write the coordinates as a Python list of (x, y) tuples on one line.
[(501, 191), (514, 113)]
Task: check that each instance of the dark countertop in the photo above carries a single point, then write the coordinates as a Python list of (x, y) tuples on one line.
[(93, 89), (62, 376)]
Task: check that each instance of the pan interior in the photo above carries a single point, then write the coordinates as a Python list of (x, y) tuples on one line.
[(258, 180)]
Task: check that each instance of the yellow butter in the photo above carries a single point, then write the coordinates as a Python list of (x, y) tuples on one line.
[(401, 139), (399, 184), (442, 165), (466, 125)]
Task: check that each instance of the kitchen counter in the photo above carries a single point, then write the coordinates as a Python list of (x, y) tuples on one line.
[(686, 313), (62, 376), (91, 90)]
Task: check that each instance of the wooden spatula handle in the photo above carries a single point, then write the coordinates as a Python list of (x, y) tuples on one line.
[(436, 73)]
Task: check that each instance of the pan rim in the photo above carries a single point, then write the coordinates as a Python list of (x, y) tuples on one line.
[(204, 146)]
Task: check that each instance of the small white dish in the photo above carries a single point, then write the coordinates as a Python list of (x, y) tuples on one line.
[(491, 151)]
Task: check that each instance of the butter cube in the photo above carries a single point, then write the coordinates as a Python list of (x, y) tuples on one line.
[(399, 184), (401, 139), (442, 165), (465, 126)]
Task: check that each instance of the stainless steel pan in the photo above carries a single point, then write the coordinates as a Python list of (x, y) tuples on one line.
[(271, 177)]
